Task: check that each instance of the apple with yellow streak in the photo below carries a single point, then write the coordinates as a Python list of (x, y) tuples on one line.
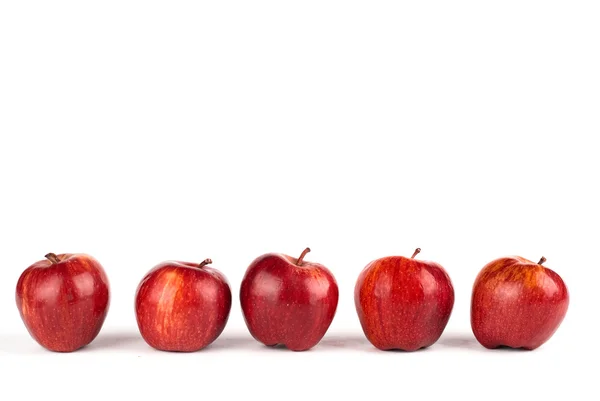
[(517, 303), (182, 306)]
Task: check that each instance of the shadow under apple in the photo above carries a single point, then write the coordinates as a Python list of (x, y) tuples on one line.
[(116, 340), (466, 341), (233, 341)]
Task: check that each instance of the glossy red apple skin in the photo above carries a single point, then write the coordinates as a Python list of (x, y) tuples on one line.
[(288, 304), (403, 303), (63, 302), (182, 306), (517, 303)]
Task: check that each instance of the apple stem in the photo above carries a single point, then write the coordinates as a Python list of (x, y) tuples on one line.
[(205, 262), (416, 253), (542, 260), (302, 255), (52, 258)]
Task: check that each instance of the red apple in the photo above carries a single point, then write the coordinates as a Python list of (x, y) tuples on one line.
[(403, 303), (517, 303), (288, 301), (182, 306), (63, 300)]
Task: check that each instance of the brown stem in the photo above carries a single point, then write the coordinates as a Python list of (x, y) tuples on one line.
[(52, 258), (542, 260), (205, 262), (302, 255), (416, 253)]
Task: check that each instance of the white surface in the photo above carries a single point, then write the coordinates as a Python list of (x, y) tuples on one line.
[(144, 131)]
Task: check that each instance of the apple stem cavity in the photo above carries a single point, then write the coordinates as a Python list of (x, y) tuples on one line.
[(205, 262), (542, 260), (302, 255), (52, 258), (416, 253)]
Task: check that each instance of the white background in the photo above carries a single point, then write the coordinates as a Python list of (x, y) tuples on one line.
[(140, 131)]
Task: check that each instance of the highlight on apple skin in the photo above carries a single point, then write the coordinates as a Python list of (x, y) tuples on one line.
[(403, 303), (63, 300), (288, 301), (517, 303), (181, 306)]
